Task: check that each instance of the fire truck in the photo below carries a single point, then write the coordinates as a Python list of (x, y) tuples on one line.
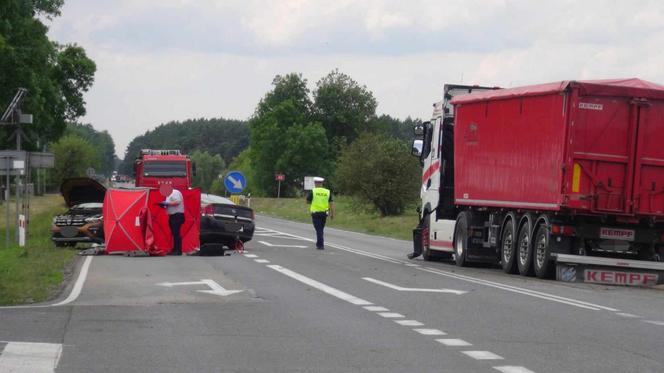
[(564, 178), (153, 168)]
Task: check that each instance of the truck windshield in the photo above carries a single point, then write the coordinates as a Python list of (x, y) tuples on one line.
[(165, 169)]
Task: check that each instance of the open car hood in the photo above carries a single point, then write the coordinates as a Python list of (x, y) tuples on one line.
[(79, 190)]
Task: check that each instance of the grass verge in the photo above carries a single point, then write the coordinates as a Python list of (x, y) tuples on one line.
[(351, 215), (33, 273)]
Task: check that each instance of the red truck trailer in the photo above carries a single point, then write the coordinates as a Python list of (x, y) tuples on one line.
[(522, 175)]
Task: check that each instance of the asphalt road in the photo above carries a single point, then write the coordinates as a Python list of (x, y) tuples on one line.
[(357, 306)]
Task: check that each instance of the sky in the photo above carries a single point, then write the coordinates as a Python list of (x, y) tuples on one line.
[(171, 60)]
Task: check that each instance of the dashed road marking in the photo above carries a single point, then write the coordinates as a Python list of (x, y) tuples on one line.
[(452, 342), (320, 286), (409, 322), (660, 323), (482, 355), (30, 357), (376, 308), (261, 261), (251, 256), (391, 315), (512, 369), (430, 331)]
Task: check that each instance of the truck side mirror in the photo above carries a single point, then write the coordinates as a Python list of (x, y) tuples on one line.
[(416, 149), (193, 168)]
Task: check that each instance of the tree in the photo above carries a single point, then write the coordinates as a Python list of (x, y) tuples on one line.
[(225, 137), (394, 127), (379, 169), (102, 142), (56, 76), (343, 107), (208, 168), (284, 140), (73, 156)]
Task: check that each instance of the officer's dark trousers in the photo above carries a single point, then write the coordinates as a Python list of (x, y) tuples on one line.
[(175, 221), (319, 218)]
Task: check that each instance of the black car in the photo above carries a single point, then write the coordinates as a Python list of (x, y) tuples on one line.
[(82, 223), (223, 223)]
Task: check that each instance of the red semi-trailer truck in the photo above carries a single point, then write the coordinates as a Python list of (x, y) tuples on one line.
[(154, 167), (522, 176)]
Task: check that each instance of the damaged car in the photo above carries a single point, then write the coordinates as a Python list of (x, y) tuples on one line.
[(82, 223), (224, 223)]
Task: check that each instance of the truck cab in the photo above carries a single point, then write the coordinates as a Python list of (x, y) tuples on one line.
[(434, 146), (156, 167)]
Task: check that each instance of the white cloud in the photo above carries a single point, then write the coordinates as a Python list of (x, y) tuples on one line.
[(178, 59)]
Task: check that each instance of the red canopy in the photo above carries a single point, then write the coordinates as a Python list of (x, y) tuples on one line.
[(134, 221), (607, 87)]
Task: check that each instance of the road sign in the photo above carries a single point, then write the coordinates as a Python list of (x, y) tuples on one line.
[(279, 177), (235, 182)]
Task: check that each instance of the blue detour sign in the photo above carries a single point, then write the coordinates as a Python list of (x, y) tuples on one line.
[(235, 182)]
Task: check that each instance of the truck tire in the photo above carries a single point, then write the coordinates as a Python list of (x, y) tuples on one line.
[(461, 239), (542, 263), (525, 250), (426, 239), (508, 248)]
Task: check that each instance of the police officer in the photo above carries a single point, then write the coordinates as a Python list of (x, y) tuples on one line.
[(321, 204), (174, 205)]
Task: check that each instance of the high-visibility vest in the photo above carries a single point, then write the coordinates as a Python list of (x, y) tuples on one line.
[(320, 201)]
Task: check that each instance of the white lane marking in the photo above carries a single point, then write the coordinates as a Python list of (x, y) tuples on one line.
[(391, 315), (375, 308), (430, 331), (250, 256), (273, 245), (514, 289), (78, 286), (453, 342), (215, 288), (344, 248), (399, 288), (413, 265), (75, 291), (320, 286), (532, 293), (366, 253), (660, 323), (261, 261), (30, 357), (630, 315), (482, 355), (512, 369), (409, 322)]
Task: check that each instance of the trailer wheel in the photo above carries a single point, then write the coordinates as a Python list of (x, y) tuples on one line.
[(542, 262), (508, 249), (461, 239), (525, 250)]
